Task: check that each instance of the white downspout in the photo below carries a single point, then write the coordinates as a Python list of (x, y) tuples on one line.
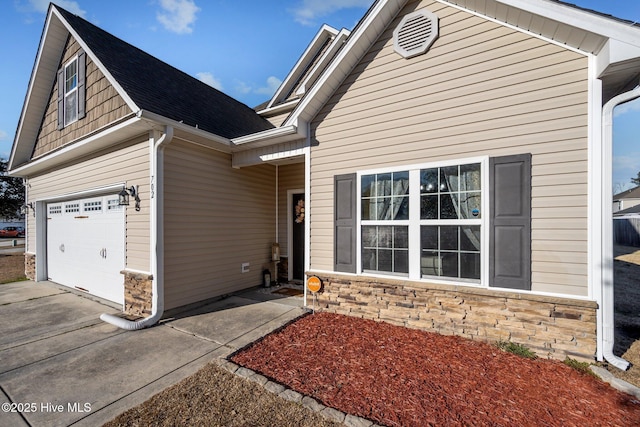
[(156, 240), (608, 325)]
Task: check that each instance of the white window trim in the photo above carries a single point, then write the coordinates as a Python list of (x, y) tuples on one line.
[(414, 221), (65, 93)]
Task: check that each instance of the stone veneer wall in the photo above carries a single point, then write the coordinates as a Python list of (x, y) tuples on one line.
[(138, 293), (30, 266), (552, 327)]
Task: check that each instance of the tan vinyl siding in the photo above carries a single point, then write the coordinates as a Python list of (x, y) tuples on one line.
[(481, 90), (290, 177), (216, 218), (126, 163), (103, 106), (278, 119)]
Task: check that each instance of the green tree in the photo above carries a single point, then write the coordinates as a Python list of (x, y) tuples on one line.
[(636, 180), (11, 193)]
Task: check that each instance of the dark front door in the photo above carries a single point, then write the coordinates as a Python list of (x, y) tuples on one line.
[(297, 236)]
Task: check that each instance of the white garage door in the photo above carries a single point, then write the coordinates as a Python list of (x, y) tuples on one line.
[(85, 245)]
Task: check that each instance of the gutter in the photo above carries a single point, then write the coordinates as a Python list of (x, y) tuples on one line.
[(607, 300), (156, 240)]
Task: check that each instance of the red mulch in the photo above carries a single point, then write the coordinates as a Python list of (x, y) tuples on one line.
[(397, 376)]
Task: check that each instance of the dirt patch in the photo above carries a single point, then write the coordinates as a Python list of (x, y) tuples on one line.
[(404, 377), (215, 397), (11, 268)]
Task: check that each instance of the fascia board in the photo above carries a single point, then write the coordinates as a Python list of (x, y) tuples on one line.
[(120, 132), (615, 52), (52, 41), (125, 96), (269, 137), (324, 32), (577, 18), (360, 40)]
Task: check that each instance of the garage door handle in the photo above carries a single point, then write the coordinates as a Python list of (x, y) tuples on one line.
[(62, 248)]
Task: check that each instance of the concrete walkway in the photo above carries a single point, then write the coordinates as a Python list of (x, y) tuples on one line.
[(60, 365)]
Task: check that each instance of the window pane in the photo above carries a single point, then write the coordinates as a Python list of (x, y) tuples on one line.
[(369, 237), (385, 237), (429, 180), (400, 208), (470, 177), (368, 209), (449, 179), (369, 259), (385, 257), (401, 237), (401, 261), (470, 266), (71, 76), (448, 206), (470, 238), (449, 238), (70, 107), (429, 237), (367, 183), (469, 205), (429, 207), (383, 208), (383, 184), (400, 183), (449, 264), (430, 264)]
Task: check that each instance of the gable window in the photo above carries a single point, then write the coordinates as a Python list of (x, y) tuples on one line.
[(71, 91)]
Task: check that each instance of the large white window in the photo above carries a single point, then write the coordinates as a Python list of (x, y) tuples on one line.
[(424, 221), (71, 92)]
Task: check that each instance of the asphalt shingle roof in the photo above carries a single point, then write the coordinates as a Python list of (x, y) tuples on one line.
[(157, 87)]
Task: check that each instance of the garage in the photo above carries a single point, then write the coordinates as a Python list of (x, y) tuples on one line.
[(86, 244)]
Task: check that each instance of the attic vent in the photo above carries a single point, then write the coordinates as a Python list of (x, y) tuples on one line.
[(416, 33)]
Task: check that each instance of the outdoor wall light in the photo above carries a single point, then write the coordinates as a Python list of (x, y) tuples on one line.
[(25, 209), (123, 196)]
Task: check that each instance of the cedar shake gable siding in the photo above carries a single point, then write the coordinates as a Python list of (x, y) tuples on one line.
[(104, 106), (155, 86)]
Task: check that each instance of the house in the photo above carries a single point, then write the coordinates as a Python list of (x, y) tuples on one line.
[(626, 199), (446, 165)]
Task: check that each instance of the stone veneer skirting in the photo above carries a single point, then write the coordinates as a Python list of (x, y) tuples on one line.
[(553, 327), (138, 293), (30, 266)]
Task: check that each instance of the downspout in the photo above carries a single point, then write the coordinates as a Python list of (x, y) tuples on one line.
[(607, 301), (156, 240)]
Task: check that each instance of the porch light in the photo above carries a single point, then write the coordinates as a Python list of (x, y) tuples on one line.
[(123, 196)]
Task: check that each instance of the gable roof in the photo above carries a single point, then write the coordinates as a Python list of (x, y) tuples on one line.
[(614, 42), (632, 193), (146, 83)]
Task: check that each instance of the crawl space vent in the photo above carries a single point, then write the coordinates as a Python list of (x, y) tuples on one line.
[(416, 33)]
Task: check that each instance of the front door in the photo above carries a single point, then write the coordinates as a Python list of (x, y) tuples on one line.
[(296, 257)]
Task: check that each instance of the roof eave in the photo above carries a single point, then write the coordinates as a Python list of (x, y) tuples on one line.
[(269, 137)]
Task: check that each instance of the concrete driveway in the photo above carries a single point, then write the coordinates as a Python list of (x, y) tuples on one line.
[(60, 365)]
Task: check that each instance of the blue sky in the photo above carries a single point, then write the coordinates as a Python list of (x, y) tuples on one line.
[(244, 48)]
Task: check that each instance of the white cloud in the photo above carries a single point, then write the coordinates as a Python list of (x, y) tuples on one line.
[(242, 87), (178, 16), (209, 79), (308, 11), (273, 83), (71, 6), (4, 136)]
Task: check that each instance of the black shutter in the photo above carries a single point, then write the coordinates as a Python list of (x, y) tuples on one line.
[(82, 67), (61, 98), (510, 222), (344, 232)]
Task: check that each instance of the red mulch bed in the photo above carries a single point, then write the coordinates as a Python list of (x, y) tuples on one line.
[(397, 376)]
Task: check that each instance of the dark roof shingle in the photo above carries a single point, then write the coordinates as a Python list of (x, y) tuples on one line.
[(160, 88)]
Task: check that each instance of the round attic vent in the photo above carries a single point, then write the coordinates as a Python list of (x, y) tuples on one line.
[(415, 34)]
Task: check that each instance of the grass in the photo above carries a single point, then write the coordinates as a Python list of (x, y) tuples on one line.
[(517, 349), (582, 367)]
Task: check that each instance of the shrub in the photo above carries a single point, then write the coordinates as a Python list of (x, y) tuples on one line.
[(515, 348), (582, 367)]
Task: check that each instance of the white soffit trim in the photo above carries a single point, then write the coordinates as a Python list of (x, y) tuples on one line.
[(357, 44), (298, 69), (268, 137), (132, 105)]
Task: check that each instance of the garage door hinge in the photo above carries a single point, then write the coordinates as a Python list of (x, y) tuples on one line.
[(80, 217)]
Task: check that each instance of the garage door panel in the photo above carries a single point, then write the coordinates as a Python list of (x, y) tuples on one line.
[(85, 245)]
